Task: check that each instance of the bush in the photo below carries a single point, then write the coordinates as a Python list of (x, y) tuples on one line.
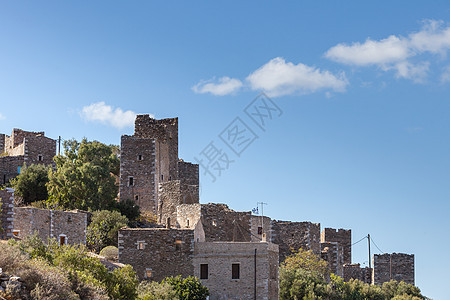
[(129, 209), (30, 184), (156, 291), (110, 253), (103, 229), (189, 288)]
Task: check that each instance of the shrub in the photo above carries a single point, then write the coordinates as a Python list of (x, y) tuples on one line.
[(110, 253), (103, 229), (156, 291), (189, 288)]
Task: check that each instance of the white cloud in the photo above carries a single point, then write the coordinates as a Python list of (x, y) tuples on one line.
[(224, 86), (395, 52), (278, 77), (445, 76), (108, 115), (392, 49), (2, 117)]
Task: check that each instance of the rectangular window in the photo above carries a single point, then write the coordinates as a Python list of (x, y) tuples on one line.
[(136, 198), (148, 273), (203, 271), (139, 157), (235, 271), (130, 181), (18, 170), (178, 245), (39, 157), (16, 233), (141, 245), (259, 230), (62, 240), (162, 177)]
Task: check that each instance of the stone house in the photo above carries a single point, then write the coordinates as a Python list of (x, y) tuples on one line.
[(24, 147), (393, 266)]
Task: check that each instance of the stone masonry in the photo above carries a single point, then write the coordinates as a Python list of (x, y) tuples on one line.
[(156, 253), (354, 271), (6, 213), (24, 147), (68, 227), (393, 266), (250, 259), (149, 161), (291, 236), (332, 253), (341, 236)]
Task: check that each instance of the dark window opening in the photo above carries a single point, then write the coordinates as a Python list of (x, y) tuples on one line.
[(170, 177), (131, 181), (203, 271), (40, 158), (178, 245), (259, 230), (187, 222), (139, 157), (62, 240), (162, 177), (235, 272), (4, 178), (136, 198)]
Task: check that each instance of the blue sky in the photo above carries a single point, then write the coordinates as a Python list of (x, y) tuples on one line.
[(363, 138)]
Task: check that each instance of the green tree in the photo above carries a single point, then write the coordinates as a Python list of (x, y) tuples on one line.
[(156, 291), (103, 229), (189, 288), (307, 260), (85, 176), (129, 209), (31, 183)]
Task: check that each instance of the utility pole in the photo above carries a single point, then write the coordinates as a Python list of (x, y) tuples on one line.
[(368, 241), (59, 145)]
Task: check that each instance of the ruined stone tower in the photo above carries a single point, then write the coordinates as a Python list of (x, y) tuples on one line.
[(151, 173)]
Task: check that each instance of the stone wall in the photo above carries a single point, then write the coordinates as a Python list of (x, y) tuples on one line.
[(2, 143), (395, 266), (6, 213), (341, 236), (219, 256), (260, 226), (164, 252), (137, 161), (9, 167), (67, 227), (188, 173), (332, 253), (39, 150), (165, 132), (224, 224), (354, 271), (188, 215), (169, 197), (295, 235)]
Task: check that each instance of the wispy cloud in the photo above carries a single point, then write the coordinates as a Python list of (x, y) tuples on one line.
[(278, 78), (2, 117), (395, 52), (106, 114), (223, 86)]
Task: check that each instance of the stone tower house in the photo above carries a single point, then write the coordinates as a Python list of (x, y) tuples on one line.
[(150, 170)]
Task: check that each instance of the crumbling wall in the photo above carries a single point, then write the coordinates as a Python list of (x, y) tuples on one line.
[(51, 224), (137, 161), (188, 173), (163, 252), (6, 213), (39, 150), (10, 167), (354, 271), (188, 215), (295, 235), (169, 198), (393, 266), (332, 253), (221, 223), (219, 256), (341, 236)]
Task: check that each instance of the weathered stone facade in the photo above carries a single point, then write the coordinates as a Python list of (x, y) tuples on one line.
[(156, 253), (332, 253), (149, 161), (68, 227), (24, 147), (354, 271), (393, 266), (6, 213), (295, 235), (250, 259), (341, 236)]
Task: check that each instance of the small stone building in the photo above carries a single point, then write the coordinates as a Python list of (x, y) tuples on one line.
[(6, 213), (67, 227), (393, 266), (24, 147), (341, 236), (354, 271), (238, 270)]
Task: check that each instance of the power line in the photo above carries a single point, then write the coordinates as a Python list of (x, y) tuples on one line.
[(360, 240), (376, 245)]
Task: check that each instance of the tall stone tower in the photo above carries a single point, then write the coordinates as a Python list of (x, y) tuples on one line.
[(149, 161)]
